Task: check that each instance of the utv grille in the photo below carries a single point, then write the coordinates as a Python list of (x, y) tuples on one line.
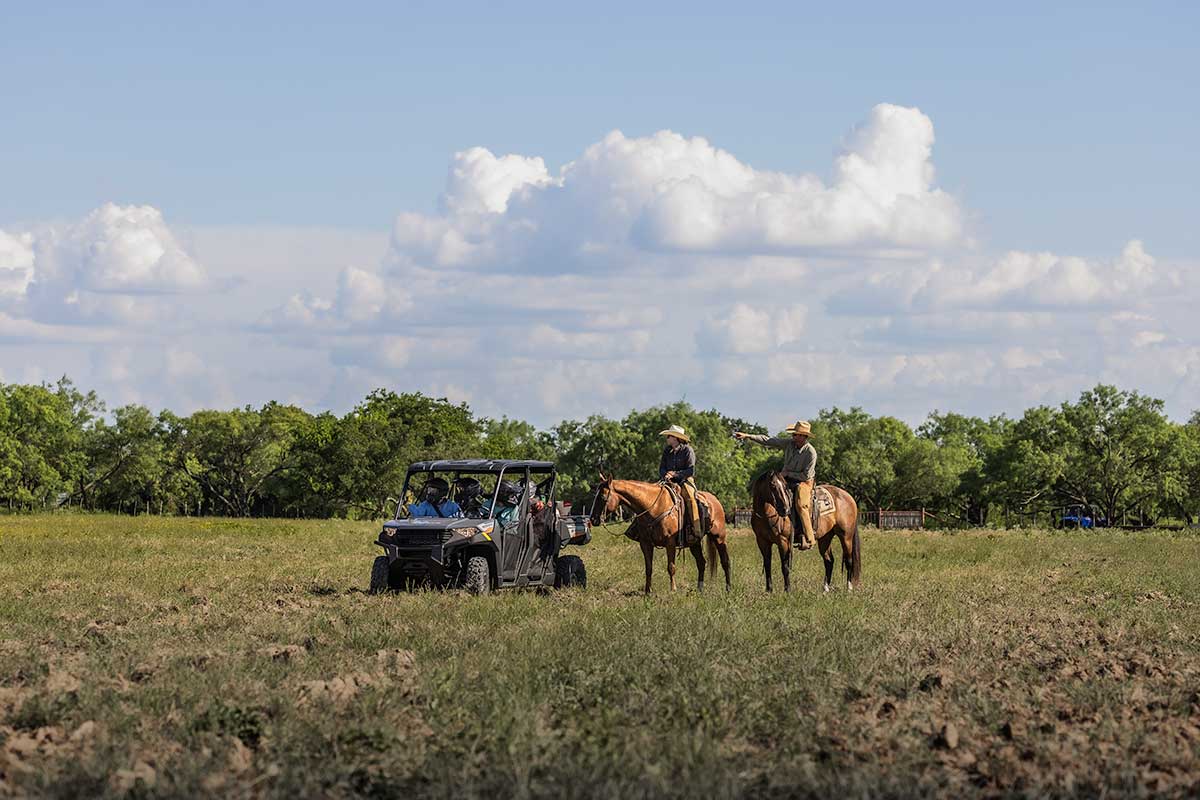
[(421, 538)]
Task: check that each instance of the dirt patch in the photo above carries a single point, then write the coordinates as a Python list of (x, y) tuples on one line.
[(1056, 729), (140, 775), (393, 668), (59, 681), (283, 652)]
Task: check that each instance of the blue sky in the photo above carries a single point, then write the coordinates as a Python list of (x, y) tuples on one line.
[(1069, 127), (1068, 130)]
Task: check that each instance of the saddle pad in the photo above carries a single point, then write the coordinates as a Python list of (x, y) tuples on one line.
[(823, 502)]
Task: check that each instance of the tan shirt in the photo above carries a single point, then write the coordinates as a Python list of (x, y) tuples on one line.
[(799, 463)]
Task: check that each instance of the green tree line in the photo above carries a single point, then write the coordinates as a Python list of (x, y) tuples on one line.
[(1112, 451)]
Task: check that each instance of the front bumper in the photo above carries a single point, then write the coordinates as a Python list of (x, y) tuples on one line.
[(418, 561)]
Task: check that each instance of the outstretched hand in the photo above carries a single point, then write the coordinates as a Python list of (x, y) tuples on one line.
[(739, 435)]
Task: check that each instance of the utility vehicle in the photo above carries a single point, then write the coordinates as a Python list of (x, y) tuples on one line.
[(479, 525)]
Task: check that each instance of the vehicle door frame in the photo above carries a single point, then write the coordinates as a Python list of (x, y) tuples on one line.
[(546, 548), (514, 545)]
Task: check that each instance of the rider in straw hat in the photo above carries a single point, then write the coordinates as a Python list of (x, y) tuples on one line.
[(678, 465), (799, 470)]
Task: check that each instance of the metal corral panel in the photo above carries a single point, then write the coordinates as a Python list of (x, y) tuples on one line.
[(901, 520)]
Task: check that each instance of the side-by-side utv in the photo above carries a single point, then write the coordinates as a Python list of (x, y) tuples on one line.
[(479, 525)]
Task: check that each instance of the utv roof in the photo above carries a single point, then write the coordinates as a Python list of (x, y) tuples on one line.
[(479, 465)]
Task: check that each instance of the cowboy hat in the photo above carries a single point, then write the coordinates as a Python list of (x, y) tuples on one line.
[(677, 432), (801, 427)]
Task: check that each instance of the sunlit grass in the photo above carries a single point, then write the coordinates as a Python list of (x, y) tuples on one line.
[(235, 656)]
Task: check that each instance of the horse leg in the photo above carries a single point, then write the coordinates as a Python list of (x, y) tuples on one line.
[(825, 545), (723, 553), (846, 559), (671, 563), (648, 554), (785, 562), (764, 547), (697, 549)]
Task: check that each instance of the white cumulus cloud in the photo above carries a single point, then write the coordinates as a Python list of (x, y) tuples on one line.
[(670, 193), (363, 298), (647, 269), (16, 263), (1046, 280), (747, 329), (481, 183), (102, 268), (1015, 281), (117, 249)]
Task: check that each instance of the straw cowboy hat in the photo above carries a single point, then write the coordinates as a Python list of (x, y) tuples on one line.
[(677, 432), (802, 427)]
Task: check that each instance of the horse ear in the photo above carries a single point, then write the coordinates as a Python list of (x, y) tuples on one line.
[(603, 477)]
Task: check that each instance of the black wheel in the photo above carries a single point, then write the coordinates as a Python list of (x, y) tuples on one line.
[(477, 576), (381, 575), (568, 572)]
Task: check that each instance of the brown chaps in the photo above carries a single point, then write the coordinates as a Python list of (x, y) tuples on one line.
[(688, 488), (803, 506)]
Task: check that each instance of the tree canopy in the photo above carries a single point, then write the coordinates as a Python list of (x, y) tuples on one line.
[(1112, 451)]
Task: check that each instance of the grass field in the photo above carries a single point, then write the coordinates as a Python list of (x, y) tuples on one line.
[(170, 657)]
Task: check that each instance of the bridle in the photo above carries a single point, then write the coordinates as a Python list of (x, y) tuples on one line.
[(776, 499), (598, 510)]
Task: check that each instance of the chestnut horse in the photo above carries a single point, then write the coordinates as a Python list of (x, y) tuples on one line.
[(658, 516), (773, 527)]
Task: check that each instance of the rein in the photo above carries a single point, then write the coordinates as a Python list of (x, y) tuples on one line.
[(662, 487)]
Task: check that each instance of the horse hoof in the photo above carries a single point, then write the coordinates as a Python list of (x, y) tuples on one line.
[(828, 588), (849, 586)]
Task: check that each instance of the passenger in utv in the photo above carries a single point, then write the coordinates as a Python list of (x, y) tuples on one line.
[(468, 492), (507, 500), (435, 501)]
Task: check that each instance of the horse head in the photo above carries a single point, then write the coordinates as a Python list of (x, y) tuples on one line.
[(771, 489), (606, 501)]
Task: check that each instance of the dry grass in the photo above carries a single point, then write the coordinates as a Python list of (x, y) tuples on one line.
[(166, 657)]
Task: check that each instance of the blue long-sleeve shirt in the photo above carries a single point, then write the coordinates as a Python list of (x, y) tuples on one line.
[(449, 508), (681, 461)]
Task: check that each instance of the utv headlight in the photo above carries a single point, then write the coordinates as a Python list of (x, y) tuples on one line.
[(484, 528)]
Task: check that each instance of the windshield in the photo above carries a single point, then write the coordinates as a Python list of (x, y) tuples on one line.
[(445, 494), (474, 495)]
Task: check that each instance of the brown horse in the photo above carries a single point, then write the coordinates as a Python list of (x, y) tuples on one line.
[(773, 527), (658, 516)]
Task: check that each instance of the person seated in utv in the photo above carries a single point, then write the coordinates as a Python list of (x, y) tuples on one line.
[(508, 497), (468, 493), (435, 501)]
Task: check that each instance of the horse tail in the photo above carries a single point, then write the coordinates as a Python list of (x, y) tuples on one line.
[(854, 570)]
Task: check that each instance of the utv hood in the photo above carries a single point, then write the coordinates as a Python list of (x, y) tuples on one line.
[(432, 524)]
